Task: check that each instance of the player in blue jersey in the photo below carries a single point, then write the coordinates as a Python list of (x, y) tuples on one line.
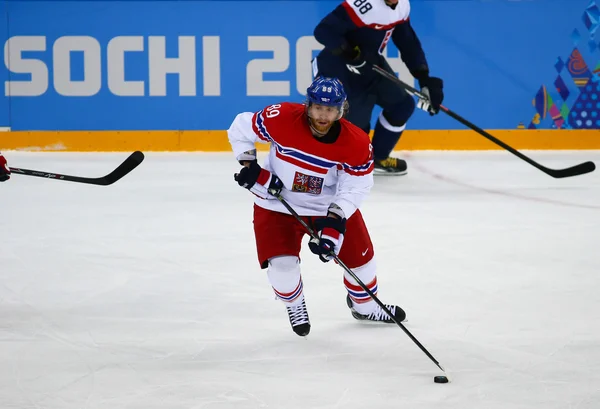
[(355, 34)]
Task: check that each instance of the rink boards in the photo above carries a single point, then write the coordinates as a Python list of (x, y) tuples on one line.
[(216, 141)]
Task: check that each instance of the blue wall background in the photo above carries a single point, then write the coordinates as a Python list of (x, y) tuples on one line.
[(4, 100), (498, 58)]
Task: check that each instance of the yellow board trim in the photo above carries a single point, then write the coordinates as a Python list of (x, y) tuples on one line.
[(216, 141)]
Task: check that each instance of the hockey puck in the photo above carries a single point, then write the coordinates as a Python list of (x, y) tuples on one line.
[(440, 379)]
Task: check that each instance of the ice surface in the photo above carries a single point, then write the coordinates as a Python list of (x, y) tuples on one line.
[(147, 294)]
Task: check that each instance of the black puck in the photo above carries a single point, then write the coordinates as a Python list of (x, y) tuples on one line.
[(440, 379)]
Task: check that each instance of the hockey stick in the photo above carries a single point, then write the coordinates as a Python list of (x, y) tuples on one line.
[(576, 170), (358, 280), (123, 169)]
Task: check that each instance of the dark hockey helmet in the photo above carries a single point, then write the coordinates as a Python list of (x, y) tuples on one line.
[(329, 92)]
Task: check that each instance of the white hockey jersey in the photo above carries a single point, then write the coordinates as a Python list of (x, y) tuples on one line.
[(376, 14), (314, 174)]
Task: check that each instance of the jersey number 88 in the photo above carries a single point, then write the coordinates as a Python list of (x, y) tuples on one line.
[(363, 6)]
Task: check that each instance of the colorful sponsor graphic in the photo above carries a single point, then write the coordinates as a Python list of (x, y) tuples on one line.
[(573, 100)]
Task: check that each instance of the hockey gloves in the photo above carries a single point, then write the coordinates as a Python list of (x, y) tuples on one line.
[(356, 63), (259, 181), (432, 88), (330, 232), (4, 170)]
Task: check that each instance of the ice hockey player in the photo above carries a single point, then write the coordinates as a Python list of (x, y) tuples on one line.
[(4, 170), (322, 166), (355, 35)]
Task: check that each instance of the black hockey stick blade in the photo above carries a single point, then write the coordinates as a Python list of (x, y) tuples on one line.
[(123, 169), (580, 169), (576, 170)]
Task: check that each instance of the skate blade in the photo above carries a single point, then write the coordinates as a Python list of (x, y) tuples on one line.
[(386, 173)]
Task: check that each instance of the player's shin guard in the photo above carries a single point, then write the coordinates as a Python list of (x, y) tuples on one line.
[(360, 302), (385, 138), (284, 276)]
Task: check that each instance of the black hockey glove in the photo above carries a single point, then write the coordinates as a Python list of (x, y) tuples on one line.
[(356, 64), (432, 88), (259, 181), (331, 236)]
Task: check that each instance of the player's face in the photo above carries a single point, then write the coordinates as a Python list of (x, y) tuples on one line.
[(322, 117)]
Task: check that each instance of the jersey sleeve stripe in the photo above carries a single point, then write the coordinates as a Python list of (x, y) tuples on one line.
[(258, 125), (361, 170)]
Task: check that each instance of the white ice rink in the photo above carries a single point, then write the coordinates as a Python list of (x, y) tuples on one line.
[(147, 294)]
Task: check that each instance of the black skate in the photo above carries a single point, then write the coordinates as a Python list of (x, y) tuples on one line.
[(390, 167), (299, 319), (378, 315)]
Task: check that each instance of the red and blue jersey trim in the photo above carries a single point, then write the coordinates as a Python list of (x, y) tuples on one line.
[(303, 159)]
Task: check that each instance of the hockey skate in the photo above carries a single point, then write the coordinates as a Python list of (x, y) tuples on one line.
[(390, 167), (299, 319), (378, 315)]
